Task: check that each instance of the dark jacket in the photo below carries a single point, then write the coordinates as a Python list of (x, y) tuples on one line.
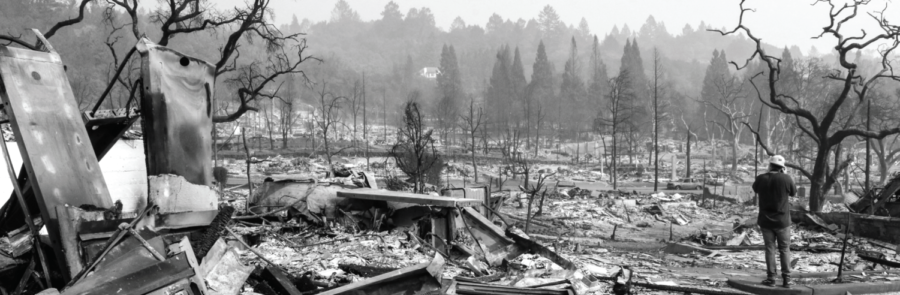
[(774, 189)]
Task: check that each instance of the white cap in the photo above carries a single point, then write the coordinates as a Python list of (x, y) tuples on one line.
[(777, 160)]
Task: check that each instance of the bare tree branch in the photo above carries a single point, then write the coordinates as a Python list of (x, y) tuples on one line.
[(18, 41), (68, 22), (771, 153)]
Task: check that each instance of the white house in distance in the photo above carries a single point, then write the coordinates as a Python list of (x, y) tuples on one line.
[(429, 72)]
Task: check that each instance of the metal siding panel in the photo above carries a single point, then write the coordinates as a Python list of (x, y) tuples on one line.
[(56, 150), (177, 112)]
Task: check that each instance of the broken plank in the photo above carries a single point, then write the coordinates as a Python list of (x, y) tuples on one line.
[(420, 277), (391, 196)]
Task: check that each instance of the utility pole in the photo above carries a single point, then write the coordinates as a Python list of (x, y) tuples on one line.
[(656, 120), (687, 157), (868, 152), (365, 126), (756, 149), (383, 115)]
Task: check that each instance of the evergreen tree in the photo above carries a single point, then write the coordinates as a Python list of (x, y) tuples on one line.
[(625, 62), (494, 23), (718, 67), (499, 91), (550, 24), (343, 12), (637, 68), (539, 95), (788, 79), (392, 13), (458, 24), (449, 86), (294, 27), (408, 74), (636, 85), (518, 83), (569, 112), (599, 79)]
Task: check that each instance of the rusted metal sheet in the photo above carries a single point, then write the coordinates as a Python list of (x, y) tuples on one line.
[(56, 151), (177, 113)]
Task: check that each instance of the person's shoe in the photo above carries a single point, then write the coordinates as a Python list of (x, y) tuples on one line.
[(769, 282), (788, 282)]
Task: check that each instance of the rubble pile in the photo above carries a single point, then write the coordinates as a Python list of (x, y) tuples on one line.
[(334, 258)]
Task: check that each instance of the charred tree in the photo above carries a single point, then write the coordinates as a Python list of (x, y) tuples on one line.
[(822, 128)]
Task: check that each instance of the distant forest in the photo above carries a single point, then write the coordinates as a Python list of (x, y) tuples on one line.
[(398, 43), (493, 66)]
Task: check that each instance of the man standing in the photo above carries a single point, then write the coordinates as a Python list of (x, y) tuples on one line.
[(775, 188)]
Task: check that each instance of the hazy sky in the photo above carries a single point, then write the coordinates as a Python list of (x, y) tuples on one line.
[(779, 22)]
